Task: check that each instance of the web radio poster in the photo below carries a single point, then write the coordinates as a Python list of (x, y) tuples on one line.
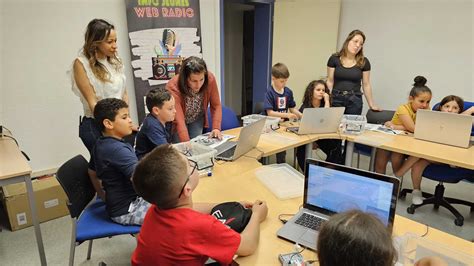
[(162, 33)]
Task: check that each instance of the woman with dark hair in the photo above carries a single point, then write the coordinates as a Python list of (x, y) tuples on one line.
[(97, 73), (316, 95), (347, 71), (194, 89)]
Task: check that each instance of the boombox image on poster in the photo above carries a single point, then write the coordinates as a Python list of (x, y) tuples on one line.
[(165, 66)]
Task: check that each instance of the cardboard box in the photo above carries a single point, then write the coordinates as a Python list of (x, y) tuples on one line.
[(49, 197)]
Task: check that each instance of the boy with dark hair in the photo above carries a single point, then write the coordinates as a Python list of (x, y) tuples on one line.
[(279, 101), (114, 161), (177, 231), (156, 127)]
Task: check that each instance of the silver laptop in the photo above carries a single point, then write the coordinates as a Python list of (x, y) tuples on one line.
[(248, 139), (331, 188), (445, 128), (319, 120)]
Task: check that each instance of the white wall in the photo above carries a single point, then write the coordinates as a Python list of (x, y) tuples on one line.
[(405, 38), (304, 36), (38, 47)]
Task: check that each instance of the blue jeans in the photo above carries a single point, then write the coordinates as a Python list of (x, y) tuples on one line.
[(89, 132), (194, 129)]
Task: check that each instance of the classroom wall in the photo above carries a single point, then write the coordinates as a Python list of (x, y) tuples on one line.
[(405, 38), (304, 36), (39, 40)]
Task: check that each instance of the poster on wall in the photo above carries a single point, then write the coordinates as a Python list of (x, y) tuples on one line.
[(162, 33)]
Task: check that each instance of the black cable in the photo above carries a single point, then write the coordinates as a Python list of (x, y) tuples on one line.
[(7, 136), (427, 229), (7, 129), (284, 214)]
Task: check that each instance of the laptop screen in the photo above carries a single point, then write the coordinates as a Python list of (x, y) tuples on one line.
[(336, 191)]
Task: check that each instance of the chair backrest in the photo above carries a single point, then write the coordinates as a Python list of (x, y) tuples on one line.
[(258, 109), (467, 105), (381, 117), (75, 181), (229, 119)]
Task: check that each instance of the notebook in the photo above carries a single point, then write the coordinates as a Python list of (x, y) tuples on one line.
[(319, 120), (332, 188), (443, 127), (248, 139)]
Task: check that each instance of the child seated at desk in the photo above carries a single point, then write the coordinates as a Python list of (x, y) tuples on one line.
[(317, 95), (279, 101), (451, 104), (114, 161), (156, 127), (358, 238), (177, 231), (404, 119)]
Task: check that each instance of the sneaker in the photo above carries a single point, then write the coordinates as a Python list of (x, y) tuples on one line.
[(417, 197)]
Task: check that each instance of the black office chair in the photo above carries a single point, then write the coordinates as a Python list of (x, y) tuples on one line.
[(373, 117), (258, 108), (89, 220)]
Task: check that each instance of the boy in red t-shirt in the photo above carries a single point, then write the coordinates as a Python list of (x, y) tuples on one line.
[(177, 231)]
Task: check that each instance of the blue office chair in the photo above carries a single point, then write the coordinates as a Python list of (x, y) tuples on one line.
[(444, 174), (229, 119), (373, 117), (89, 221)]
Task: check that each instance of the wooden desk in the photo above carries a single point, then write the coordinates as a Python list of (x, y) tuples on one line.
[(15, 169), (409, 145), (236, 181)]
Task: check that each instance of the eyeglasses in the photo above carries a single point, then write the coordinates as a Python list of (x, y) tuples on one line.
[(194, 165)]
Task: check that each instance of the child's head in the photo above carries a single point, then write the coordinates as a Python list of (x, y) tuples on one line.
[(193, 75), (355, 238), (161, 104), (451, 104), (113, 118), (420, 94), (315, 90), (280, 75), (164, 176)]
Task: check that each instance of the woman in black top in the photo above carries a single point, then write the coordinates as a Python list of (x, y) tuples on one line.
[(347, 70), (317, 95)]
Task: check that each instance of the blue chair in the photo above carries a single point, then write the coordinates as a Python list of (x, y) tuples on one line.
[(89, 220), (229, 119), (444, 174), (373, 117)]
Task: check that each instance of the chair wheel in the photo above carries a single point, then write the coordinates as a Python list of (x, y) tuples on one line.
[(411, 210), (459, 221)]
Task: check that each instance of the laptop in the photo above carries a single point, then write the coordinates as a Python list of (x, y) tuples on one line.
[(332, 188), (443, 127), (248, 139), (319, 120)]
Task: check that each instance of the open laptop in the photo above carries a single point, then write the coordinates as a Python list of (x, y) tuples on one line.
[(248, 139), (332, 188), (443, 127), (319, 120)]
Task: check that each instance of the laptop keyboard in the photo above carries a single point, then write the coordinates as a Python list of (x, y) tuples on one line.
[(228, 153), (310, 221)]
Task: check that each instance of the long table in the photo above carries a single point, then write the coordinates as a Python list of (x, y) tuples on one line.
[(236, 181), (15, 169), (281, 140)]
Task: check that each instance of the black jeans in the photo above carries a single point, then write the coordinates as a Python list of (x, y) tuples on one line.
[(349, 99), (331, 147)]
